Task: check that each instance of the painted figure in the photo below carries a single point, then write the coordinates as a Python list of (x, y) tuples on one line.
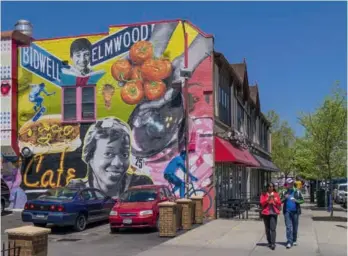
[(80, 54), (170, 173), (11, 174), (107, 154), (35, 95)]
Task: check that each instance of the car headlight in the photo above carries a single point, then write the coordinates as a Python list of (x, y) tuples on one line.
[(148, 212), (113, 213)]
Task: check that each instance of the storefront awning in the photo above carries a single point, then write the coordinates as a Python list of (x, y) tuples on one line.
[(225, 152), (265, 164)]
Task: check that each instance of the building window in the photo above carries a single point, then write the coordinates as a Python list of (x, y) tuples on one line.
[(240, 117), (249, 128), (224, 95), (79, 104), (253, 121)]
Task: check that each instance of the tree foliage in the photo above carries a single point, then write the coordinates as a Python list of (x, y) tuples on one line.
[(283, 143), (325, 137)]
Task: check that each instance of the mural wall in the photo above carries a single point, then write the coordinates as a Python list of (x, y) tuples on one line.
[(108, 110)]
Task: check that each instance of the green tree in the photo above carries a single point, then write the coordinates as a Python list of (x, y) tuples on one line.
[(325, 135), (305, 161), (283, 143)]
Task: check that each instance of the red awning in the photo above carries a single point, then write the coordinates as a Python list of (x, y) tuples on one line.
[(225, 152)]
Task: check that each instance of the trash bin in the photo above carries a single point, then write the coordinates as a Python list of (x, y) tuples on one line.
[(321, 198)]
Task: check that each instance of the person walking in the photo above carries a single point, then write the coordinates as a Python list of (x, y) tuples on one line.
[(271, 204), (292, 199)]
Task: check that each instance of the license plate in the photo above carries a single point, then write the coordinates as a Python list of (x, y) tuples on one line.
[(127, 221), (40, 216)]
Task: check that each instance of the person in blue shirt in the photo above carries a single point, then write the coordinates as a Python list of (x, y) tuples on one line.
[(292, 199), (170, 172)]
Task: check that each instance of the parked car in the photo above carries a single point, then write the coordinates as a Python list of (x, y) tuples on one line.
[(138, 207), (68, 207), (341, 193), (345, 201), (5, 196)]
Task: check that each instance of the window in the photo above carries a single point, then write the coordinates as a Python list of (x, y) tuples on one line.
[(224, 97), (79, 104), (266, 138), (249, 127), (253, 124), (240, 117), (99, 195), (87, 195), (260, 133)]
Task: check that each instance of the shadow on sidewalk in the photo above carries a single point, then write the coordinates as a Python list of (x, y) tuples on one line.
[(266, 244), (328, 218), (341, 226), (6, 212), (315, 208)]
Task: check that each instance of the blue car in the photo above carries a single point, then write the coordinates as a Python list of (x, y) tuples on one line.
[(68, 207)]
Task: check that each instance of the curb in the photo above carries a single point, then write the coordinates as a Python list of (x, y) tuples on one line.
[(13, 210)]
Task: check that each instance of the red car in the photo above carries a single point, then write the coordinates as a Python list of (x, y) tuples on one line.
[(138, 207)]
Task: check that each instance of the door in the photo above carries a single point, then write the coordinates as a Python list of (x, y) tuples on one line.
[(93, 205), (226, 184)]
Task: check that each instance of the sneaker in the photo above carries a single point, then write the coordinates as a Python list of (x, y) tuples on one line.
[(273, 247), (269, 245), (294, 243), (288, 246)]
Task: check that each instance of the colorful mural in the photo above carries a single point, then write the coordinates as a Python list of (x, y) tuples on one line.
[(11, 174), (108, 110)]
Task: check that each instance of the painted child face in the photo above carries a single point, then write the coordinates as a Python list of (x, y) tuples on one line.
[(81, 59)]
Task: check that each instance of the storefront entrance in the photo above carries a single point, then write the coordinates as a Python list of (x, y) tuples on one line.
[(231, 185)]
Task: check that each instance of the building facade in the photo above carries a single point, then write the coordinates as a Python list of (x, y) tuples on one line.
[(109, 110), (243, 139), (134, 106)]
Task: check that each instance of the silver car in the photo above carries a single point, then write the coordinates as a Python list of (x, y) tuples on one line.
[(341, 194)]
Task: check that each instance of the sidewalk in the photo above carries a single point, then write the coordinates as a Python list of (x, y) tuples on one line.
[(246, 238)]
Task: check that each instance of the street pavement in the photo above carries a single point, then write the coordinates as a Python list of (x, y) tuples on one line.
[(95, 240), (317, 237), (246, 238)]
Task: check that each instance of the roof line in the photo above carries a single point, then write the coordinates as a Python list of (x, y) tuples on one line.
[(127, 25)]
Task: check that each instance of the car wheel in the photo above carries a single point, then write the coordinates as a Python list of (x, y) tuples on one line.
[(40, 225), (80, 223), (114, 230)]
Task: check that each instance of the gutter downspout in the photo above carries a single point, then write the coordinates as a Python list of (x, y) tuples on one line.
[(186, 99)]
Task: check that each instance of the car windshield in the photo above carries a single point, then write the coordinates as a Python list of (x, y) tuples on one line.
[(59, 194), (144, 195), (343, 188)]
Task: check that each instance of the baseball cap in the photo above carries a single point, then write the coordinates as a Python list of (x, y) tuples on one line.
[(289, 180)]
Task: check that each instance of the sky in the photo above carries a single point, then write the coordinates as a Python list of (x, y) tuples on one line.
[(295, 51)]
